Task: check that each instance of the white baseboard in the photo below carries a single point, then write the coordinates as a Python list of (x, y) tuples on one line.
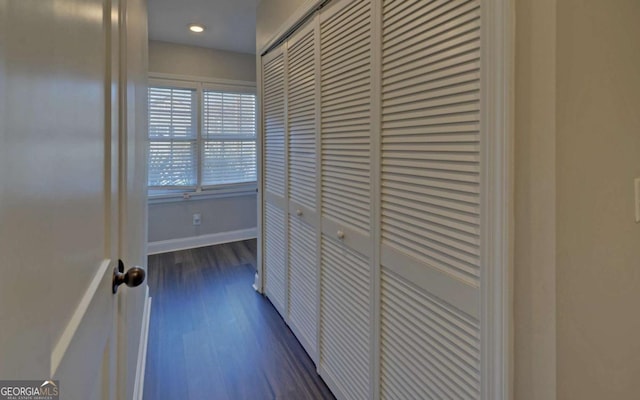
[(138, 387), (165, 246)]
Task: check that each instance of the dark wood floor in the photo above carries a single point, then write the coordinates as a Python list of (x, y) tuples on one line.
[(213, 337)]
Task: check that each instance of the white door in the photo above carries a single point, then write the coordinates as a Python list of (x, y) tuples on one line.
[(431, 200), (303, 219), (135, 304), (71, 179), (275, 179), (346, 332)]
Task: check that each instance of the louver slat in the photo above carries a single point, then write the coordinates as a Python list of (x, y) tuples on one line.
[(429, 349), (302, 120), (302, 282), (345, 308), (430, 134), (430, 200), (274, 126), (274, 238), (345, 115)]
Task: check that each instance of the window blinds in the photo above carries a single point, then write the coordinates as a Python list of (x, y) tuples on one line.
[(224, 149), (229, 136), (172, 137)]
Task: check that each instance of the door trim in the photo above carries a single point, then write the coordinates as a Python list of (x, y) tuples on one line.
[(497, 213), (138, 388)]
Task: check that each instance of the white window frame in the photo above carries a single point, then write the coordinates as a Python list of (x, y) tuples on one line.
[(199, 191)]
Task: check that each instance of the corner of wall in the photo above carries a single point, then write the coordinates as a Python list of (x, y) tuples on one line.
[(535, 202)]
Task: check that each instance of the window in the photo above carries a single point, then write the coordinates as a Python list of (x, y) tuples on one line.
[(229, 136), (200, 137), (173, 137)]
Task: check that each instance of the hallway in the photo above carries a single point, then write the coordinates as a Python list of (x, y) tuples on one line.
[(213, 337)]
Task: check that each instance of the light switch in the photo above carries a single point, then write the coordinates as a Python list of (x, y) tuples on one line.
[(637, 190), (197, 219)]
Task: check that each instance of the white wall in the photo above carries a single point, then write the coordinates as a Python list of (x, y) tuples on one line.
[(179, 59), (577, 247), (535, 201), (174, 220), (598, 241), (271, 15)]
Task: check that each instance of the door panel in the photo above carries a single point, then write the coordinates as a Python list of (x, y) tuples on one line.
[(429, 348), (431, 140), (302, 109), (303, 277), (275, 278), (345, 334), (60, 193), (77, 358), (346, 251), (275, 222), (430, 199), (274, 123), (303, 140), (56, 226), (345, 48)]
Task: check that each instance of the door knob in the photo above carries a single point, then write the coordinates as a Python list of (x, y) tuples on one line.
[(132, 278)]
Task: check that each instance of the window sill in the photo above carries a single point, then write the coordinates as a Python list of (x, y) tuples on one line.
[(175, 196)]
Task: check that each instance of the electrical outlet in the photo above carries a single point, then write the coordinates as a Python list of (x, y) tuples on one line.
[(637, 199), (197, 219)]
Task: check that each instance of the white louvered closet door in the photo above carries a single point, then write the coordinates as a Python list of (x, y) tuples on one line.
[(346, 326), (430, 254), (303, 136), (275, 180)]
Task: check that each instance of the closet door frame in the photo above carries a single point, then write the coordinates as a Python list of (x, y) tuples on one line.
[(497, 174), (497, 212)]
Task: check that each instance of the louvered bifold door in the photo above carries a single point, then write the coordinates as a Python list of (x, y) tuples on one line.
[(275, 181), (345, 323), (303, 135), (430, 194)]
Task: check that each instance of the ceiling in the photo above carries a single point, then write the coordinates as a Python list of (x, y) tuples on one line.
[(229, 24)]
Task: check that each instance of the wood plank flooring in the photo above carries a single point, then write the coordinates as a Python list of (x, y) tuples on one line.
[(213, 337)]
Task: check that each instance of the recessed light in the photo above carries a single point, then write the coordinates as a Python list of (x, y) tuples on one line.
[(196, 28)]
